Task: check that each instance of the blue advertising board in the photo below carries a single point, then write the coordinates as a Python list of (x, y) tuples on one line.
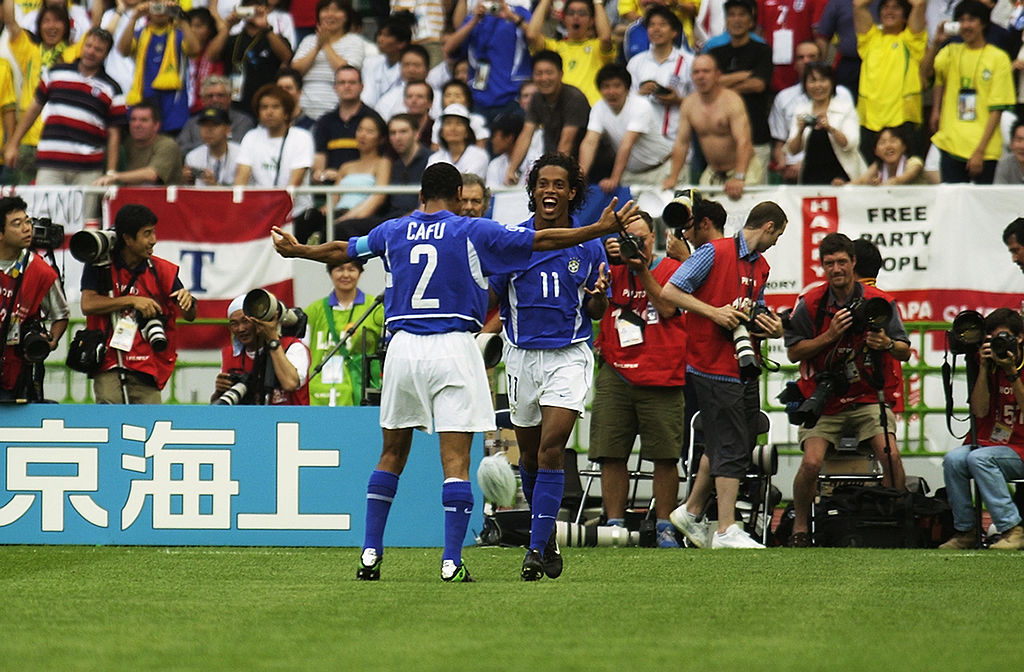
[(202, 475)]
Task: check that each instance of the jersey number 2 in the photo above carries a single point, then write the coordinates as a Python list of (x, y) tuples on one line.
[(429, 253)]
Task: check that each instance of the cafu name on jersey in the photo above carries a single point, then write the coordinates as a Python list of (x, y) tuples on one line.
[(425, 231)]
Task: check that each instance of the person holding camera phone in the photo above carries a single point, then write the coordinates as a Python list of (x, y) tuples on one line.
[(134, 297), (996, 402), (30, 291), (273, 368), (160, 48), (859, 365), (638, 389), (721, 286)]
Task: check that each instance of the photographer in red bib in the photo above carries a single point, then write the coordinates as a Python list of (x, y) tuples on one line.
[(135, 297), (849, 341), (30, 292)]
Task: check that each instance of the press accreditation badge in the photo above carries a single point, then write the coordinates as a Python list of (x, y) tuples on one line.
[(629, 328), (124, 333), (14, 332), (237, 83), (1001, 434), (782, 46), (967, 105)]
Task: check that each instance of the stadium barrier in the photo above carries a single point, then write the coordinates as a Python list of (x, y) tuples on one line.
[(191, 475)]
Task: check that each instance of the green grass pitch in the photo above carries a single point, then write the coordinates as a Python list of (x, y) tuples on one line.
[(141, 608)]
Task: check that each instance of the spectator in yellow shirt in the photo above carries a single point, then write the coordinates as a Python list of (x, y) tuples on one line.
[(583, 53)]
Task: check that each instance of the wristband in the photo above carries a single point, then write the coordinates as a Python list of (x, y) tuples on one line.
[(273, 344), (739, 176), (892, 344), (1012, 377)]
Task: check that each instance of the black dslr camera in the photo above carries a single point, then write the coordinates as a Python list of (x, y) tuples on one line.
[(46, 235), (807, 411)]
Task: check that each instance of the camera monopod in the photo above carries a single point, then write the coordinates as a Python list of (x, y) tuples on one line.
[(345, 336)]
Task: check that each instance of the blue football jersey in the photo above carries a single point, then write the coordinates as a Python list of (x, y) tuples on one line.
[(542, 305), (437, 267)]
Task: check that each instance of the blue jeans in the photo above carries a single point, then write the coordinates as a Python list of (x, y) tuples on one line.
[(990, 467)]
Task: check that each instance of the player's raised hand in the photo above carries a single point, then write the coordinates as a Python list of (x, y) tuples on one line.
[(600, 287), (285, 243)]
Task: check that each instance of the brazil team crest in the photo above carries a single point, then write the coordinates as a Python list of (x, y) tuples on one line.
[(574, 265)]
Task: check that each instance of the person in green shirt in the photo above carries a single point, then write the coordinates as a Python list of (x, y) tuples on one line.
[(340, 381)]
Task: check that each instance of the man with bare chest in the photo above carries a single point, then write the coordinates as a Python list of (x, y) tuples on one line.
[(717, 116)]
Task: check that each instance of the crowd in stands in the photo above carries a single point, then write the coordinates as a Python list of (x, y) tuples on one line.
[(267, 92)]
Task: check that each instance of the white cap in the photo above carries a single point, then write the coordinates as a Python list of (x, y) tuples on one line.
[(456, 110), (236, 304)]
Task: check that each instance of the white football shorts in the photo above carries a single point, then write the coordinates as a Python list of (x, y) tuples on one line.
[(560, 377), (435, 382)]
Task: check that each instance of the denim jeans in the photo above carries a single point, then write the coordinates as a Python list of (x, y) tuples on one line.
[(990, 467)]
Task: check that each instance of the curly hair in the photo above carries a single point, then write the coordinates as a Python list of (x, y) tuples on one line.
[(576, 179)]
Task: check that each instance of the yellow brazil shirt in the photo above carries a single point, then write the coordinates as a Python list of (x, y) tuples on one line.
[(976, 82), (890, 83), (580, 63), (31, 58)]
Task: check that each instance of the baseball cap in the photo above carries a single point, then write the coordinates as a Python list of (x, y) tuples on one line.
[(214, 115)]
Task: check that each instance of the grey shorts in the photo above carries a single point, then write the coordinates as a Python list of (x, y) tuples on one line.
[(729, 414), (861, 420)]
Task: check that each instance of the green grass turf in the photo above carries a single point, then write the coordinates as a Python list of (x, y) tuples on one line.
[(70, 608)]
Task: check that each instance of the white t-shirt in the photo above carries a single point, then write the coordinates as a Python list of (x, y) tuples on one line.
[(379, 78), (224, 167), (651, 148), (120, 68), (318, 95), (672, 73), (260, 152), (473, 160)]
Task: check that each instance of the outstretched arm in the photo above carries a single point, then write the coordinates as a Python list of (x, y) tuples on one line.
[(559, 238), (334, 252)]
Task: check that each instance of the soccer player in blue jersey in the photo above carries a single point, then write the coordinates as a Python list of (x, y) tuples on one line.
[(546, 310), (437, 264)]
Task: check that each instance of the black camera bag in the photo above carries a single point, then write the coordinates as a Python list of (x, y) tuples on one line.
[(867, 516), (87, 350)]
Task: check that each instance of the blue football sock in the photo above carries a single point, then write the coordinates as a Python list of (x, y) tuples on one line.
[(457, 498), (616, 522), (546, 502), (663, 525), (380, 492), (529, 480)]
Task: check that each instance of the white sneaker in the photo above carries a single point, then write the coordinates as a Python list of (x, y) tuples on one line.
[(734, 537), (687, 523)]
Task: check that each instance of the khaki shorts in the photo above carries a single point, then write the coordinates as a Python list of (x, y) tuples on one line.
[(861, 421), (621, 411)]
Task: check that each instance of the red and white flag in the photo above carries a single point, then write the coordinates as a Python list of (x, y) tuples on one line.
[(220, 243)]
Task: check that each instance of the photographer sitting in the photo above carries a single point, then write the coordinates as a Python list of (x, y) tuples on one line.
[(840, 348), (134, 297), (996, 401), (30, 289), (273, 369)]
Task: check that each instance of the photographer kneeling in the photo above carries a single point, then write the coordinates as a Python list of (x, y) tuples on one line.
[(132, 296), (848, 351), (30, 290), (996, 402), (260, 366)]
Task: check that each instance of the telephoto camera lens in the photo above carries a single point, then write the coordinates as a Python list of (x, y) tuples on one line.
[(745, 355), (153, 331), (34, 346), (234, 394)]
